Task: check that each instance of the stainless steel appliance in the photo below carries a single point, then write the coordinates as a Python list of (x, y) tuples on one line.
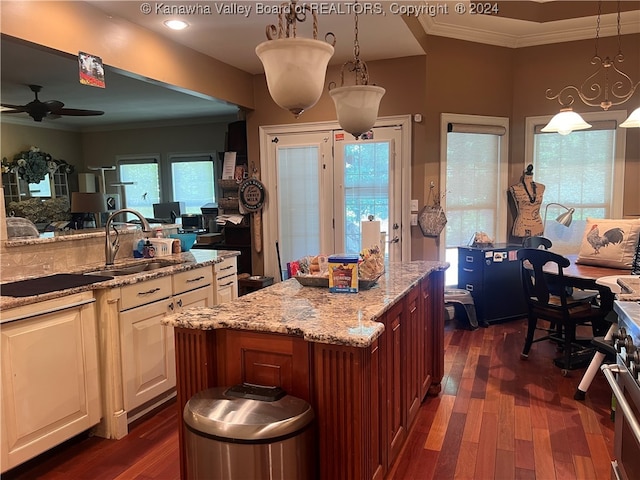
[(192, 222), (209, 215), (624, 379)]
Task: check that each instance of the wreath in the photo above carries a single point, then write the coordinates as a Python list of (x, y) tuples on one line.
[(33, 165)]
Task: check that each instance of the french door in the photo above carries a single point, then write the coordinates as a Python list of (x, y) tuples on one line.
[(322, 184)]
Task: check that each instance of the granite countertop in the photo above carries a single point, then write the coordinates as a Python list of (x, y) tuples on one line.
[(312, 313), (183, 262), (629, 311)]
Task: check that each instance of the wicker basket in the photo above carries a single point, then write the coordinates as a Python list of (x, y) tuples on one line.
[(228, 184), (229, 203)]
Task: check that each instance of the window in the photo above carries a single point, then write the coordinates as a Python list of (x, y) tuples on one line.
[(141, 179), (582, 170), (187, 178), (192, 181), (474, 179)]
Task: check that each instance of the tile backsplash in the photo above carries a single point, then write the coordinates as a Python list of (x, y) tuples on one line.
[(42, 257)]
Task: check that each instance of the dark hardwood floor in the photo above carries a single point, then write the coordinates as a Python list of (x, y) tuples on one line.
[(497, 417)]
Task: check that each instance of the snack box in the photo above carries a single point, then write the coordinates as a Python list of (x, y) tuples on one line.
[(343, 273)]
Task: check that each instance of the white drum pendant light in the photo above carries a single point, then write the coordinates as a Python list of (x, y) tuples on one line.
[(295, 68), (356, 105)]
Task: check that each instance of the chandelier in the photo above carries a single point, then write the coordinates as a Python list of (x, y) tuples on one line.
[(356, 105), (607, 86), (295, 67)]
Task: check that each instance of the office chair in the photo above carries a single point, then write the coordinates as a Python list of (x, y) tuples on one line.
[(536, 242), (547, 299)]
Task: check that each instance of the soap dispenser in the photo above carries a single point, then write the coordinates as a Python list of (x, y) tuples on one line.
[(148, 251), (138, 244)]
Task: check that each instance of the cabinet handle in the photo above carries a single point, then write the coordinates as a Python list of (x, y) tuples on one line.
[(469, 287), (180, 302), (469, 259), (149, 292), (197, 279), (227, 268), (226, 284), (413, 309), (467, 269), (171, 306)]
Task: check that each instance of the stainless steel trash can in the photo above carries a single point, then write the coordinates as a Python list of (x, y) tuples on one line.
[(249, 432)]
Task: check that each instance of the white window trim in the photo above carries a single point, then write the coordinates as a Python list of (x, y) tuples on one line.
[(502, 207), (617, 178), (266, 133)]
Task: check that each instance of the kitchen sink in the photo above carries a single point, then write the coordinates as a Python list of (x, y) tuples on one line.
[(131, 269)]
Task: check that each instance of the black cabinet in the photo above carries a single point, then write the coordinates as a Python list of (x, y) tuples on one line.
[(492, 275), (238, 237)]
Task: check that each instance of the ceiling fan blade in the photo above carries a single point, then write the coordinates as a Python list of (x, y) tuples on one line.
[(14, 108), (77, 112), (54, 105)]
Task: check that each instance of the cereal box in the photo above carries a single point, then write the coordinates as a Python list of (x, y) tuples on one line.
[(343, 273)]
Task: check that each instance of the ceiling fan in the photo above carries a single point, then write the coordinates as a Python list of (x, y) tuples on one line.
[(50, 109)]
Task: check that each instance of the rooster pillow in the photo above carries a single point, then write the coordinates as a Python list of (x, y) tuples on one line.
[(609, 243)]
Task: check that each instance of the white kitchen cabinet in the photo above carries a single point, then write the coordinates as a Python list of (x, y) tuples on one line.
[(147, 346), (50, 376), (226, 280)]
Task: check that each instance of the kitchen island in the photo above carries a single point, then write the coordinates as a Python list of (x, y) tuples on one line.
[(363, 361)]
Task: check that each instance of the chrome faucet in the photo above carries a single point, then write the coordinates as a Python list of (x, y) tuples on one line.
[(111, 248)]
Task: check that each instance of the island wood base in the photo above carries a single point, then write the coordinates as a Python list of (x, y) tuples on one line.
[(365, 398)]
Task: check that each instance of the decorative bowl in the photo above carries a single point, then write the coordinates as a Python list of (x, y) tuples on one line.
[(186, 240)]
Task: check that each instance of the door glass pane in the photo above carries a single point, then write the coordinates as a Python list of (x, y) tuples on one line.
[(193, 184), (299, 205), (145, 190), (366, 189)]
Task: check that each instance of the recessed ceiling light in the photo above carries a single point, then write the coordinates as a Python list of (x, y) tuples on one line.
[(176, 24)]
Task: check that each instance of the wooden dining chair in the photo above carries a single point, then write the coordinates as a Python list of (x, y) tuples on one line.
[(537, 242), (549, 297)]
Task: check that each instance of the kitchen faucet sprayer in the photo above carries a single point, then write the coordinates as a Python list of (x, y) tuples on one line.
[(111, 248)]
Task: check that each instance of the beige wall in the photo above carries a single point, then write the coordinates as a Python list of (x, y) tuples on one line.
[(455, 77), (463, 77), (554, 66), (100, 148), (70, 27)]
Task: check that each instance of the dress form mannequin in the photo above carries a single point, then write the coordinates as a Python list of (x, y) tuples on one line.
[(527, 195)]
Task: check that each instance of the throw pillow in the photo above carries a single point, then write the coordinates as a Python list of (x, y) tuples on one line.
[(609, 242)]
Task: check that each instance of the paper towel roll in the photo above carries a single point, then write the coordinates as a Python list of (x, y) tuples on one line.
[(369, 233)]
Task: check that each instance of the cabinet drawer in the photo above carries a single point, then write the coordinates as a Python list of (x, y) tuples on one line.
[(192, 279), (225, 268), (145, 292)]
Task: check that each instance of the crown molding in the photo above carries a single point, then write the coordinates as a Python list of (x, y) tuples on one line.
[(512, 33)]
